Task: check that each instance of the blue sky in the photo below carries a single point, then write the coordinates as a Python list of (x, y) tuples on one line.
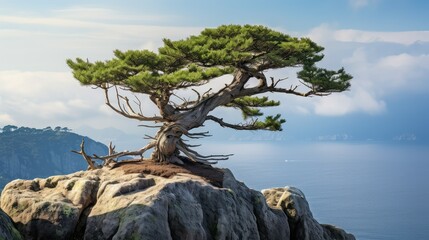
[(384, 44)]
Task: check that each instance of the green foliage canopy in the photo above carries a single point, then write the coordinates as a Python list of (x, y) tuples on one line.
[(196, 60)]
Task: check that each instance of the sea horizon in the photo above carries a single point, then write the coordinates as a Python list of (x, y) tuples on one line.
[(372, 190)]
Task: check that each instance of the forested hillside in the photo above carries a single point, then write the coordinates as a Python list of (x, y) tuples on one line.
[(28, 153)]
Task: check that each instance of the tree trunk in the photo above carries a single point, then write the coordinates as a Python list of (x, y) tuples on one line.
[(169, 145), (167, 140)]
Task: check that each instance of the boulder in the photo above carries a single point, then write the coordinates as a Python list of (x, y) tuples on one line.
[(302, 225), (148, 201)]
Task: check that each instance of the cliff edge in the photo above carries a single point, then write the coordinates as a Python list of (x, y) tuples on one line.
[(151, 201)]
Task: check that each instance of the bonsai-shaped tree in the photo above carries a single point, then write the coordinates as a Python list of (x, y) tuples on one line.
[(245, 52)]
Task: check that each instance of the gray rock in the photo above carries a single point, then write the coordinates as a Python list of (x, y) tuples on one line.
[(115, 204), (49, 208), (7, 230), (302, 225)]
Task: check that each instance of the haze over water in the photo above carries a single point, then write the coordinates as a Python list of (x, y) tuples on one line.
[(374, 191)]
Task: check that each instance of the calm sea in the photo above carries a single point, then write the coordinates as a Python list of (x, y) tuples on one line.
[(374, 191)]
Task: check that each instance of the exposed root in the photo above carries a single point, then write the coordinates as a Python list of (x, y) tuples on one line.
[(196, 157), (168, 144), (197, 135)]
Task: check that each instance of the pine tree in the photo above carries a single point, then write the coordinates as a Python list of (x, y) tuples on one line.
[(245, 52)]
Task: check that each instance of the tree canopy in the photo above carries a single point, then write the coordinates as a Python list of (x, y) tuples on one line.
[(245, 52)]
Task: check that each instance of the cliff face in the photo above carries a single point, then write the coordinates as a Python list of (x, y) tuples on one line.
[(28, 153), (7, 229), (149, 201)]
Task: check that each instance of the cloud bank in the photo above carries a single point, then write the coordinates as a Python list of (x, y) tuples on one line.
[(382, 63), (37, 88)]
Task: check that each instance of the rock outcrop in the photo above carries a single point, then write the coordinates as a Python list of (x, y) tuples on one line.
[(301, 222), (149, 201)]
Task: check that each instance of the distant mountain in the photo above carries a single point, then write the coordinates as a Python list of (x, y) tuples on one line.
[(28, 153)]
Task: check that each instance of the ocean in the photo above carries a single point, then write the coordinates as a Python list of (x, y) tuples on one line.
[(373, 190)]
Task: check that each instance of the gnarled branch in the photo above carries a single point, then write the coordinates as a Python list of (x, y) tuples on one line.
[(127, 153), (112, 155), (248, 126), (84, 155), (130, 113)]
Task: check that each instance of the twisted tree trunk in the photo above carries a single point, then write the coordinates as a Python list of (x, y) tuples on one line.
[(169, 144), (167, 139)]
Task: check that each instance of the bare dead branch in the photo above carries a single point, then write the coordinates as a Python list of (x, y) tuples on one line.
[(306, 84), (179, 97), (198, 94), (127, 153), (206, 93), (246, 126), (111, 149), (84, 155), (189, 145), (148, 126), (118, 100), (133, 115), (278, 81), (138, 102), (149, 137), (186, 103), (200, 134)]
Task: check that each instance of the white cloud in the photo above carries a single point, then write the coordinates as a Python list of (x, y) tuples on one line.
[(358, 4), (379, 71), (45, 42), (6, 119), (41, 96), (326, 33), (40, 99), (94, 14), (404, 37), (48, 21), (321, 34), (386, 74), (105, 110), (79, 103), (36, 98), (375, 79), (115, 30), (341, 104), (34, 84), (302, 110), (151, 45), (404, 71), (89, 32), (45, 110)]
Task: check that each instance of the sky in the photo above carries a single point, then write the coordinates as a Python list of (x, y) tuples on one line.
[(384, 44)]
